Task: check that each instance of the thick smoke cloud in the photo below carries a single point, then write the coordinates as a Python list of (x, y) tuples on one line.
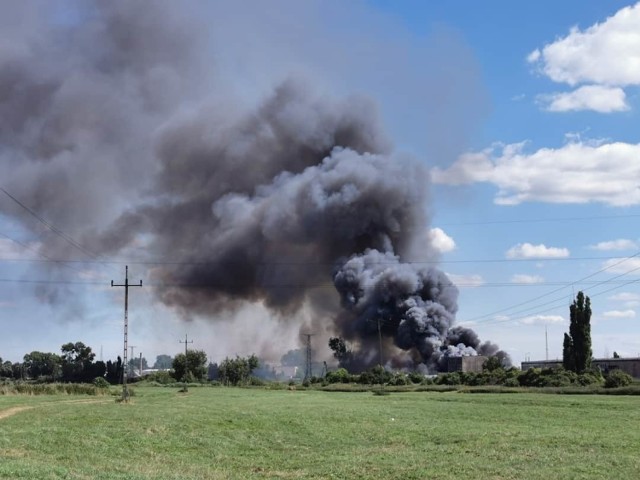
[(112, 121)]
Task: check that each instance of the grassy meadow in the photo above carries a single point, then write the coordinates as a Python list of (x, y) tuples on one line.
[(219, 433)]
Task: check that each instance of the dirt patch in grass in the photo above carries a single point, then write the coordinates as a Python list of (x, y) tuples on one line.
[(12, 411)]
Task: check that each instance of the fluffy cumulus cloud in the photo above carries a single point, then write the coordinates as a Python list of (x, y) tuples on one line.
[(620, 314), (577, 172), (542, 319), (599, 98), (623, 266), (602, 56), (619, 244), (441, 241), (526, 279), (528, 250)]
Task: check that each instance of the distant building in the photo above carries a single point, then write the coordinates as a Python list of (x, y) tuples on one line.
[(628, 365), (466, 364)]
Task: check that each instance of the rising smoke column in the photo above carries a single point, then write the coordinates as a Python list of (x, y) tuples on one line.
[(277, 203)]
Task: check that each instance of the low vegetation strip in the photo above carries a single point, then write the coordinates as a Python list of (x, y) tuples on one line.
[(23, 388), (239, 433)]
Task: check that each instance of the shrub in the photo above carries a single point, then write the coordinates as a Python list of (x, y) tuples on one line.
[(163, 377), (591, 376), (452, 378), (256, 382), (338, 376), (101, 382), (617, 378), (416, 378), (511, 382)]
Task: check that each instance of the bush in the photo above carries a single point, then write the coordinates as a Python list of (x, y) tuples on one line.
[(338, 376), (617, 378), (452, 378), (163, 377), (591, 376), (511, 382), (416, 378), (256, 382), (399, 379), (101, 382)]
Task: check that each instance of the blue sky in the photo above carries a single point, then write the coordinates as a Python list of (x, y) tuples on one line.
[(525, 113)]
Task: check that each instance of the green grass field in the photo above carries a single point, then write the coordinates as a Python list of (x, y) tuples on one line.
[(214, 433)]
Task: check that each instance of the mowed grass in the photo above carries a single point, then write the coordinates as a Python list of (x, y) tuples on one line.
[(215, 433)]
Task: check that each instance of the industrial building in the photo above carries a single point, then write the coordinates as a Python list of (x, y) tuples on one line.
[(466, 364), (628, 365)]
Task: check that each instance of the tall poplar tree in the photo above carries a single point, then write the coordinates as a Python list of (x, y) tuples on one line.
[(576, 351)]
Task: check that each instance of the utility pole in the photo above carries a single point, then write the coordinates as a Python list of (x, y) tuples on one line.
[(186, 364), (380, 340), (125, 391), (140, 364), (307, 371), (130, 367), (546, 343)]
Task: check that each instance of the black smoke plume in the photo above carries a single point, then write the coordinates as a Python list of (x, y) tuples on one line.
[(112, 125)]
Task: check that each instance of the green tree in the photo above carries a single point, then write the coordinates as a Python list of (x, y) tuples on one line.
[(237, 371), (568, 357), (491, 364), (577, 345), (114, 371), (39, 364), (191, 366), (615, 355), (341, 351), (163, 362), (77, 363), (134, 364), (6, 370)]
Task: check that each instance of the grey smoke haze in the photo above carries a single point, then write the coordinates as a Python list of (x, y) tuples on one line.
[(117, 125)]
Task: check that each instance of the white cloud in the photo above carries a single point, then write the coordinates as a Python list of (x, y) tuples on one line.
[(589, 97), (578, 172), (528, 250), (619, 314), (467, 280), (441, 241), (605, 56), (523, 278), (542, 319), (625, 297), (606, 53), (619, 244), (622, 265)]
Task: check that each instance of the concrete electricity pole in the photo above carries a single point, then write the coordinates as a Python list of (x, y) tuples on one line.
[(186, 364), (125, 391)]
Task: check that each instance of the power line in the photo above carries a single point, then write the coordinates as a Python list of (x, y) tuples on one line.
[(306, 263), (540, 220), (582, 280), (51, 227)]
